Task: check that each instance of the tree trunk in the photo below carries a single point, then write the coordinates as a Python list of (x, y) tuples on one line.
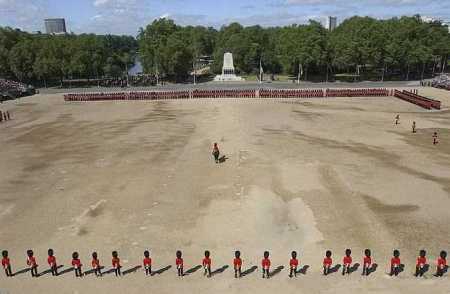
[(423, 71), (407, 72)]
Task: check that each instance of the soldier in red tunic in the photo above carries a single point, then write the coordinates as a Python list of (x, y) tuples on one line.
[(441, 264), (179, 263), (31, 262), (216, 152), (96, 265), (76, 263), (6, 264), (206, 262), (327, 262), (52, 262), (147, 263), (347, 262), (367, 262), (395, 263), (237, 263), (116, 263), (265, 263), (293, 264), (421, 263)]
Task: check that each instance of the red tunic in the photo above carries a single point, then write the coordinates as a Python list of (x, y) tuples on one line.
[(327, 261), (206, 261), (95, 263), (421, 261), (237, 262), (31, 261), (441, 262), (116, 262), (347, 260), (76, 263), (147, 261), (51, 260), (265, 263), (395, 261), (179, 262), (367, 260), (5, 262), (293, 263)]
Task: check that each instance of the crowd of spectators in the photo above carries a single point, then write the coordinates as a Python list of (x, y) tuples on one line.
[(441, 82), (13, 89)]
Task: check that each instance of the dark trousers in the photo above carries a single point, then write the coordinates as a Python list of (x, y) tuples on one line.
[(8, 271), (366, 270), (98, 272), (117, 271), (395, 270), (54, 270), (440, 271), (346, 269), (216, 156), (207, 271), (419, 271), (326, 270), (148, 270), (265, 273), (34, 271), (78, 272), (180, 271), (237, 272), (293, 272)]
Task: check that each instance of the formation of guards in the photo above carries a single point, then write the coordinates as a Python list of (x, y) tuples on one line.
[(395, 265), (4, 116), (117, 96), (373, 92), (295, 93), (228, 93), (415, 98)]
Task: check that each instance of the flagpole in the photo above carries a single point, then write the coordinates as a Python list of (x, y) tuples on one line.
[(260, 71)]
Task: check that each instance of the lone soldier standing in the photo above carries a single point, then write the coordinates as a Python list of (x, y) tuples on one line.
[(216, 152)]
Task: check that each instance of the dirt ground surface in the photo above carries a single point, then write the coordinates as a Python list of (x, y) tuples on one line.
[(300, 174)]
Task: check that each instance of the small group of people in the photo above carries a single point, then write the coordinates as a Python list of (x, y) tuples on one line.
[(414, 129), (4, 116), (348, 267)]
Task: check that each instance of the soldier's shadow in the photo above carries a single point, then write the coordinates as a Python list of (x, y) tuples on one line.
[(223, 159)]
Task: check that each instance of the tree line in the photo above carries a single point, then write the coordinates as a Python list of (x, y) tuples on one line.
[(396, 48), (359, 48), (38, 58)]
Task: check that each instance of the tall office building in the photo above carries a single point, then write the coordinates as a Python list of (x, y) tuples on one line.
[(332, 23), (55, 26)]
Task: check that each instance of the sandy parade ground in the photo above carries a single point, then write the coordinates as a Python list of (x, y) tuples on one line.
[(301, 174)]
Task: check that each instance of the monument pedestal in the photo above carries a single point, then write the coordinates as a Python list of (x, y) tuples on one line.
[(228, 74)]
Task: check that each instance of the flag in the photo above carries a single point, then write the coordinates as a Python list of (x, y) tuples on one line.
[(261, 71), (300, 72)]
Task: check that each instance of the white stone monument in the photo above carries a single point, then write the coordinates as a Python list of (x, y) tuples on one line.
[(228, 74)]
